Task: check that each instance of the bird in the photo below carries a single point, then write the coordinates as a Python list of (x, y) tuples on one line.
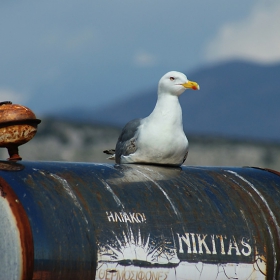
[(159, 138)]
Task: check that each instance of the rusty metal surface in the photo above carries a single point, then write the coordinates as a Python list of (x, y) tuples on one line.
[(18, 125), (13, 112), (16, 242), (100, 221), (16, 134)]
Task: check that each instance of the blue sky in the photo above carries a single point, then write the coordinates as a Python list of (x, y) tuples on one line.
[(63, 54)]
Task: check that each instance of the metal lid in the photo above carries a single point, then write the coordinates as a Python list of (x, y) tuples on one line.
[(15, 113), (18, 125)]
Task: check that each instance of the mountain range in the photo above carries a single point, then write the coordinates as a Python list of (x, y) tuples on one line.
[(58, 140), (238, 99)]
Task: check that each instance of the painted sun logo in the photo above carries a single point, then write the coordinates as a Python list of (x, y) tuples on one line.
[(133, 249)]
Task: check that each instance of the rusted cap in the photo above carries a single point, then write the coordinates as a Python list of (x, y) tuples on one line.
[(15, 113), (18, 125)]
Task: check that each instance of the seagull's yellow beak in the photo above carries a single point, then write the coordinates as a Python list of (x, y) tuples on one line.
[(191, 85)]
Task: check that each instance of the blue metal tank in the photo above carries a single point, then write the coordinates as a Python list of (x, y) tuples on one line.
[(63, 220)]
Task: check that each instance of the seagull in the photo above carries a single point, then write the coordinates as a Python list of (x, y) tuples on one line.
[(159, 138)]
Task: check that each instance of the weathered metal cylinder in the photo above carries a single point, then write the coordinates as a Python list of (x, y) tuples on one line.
[(139, 222)]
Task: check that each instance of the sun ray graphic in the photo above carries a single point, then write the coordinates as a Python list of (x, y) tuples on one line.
[(134, 249)]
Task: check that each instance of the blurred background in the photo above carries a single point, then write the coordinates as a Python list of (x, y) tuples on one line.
[(87, 67)]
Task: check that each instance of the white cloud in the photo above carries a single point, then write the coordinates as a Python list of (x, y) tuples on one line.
[(10, 95), (144, 59), (256, 37)]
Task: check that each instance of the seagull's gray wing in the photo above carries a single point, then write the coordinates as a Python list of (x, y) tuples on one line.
[(127, 142)]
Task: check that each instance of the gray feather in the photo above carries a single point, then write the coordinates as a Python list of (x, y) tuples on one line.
[(127, 142)]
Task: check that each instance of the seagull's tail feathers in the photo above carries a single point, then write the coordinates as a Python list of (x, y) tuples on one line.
[(111, 153)]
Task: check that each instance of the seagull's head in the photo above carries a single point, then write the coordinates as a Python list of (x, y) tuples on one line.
[(175, 83)]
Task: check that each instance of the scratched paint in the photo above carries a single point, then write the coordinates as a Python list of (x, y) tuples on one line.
[(140, 222), (184, 271), (138, 258)]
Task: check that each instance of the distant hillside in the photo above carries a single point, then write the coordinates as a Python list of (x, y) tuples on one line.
[(58, 140), (237, 99)]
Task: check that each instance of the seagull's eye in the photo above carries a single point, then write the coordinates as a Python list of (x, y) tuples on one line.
[(172, 78)]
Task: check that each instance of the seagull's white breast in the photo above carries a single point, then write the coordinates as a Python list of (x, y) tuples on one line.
[(161, 136)]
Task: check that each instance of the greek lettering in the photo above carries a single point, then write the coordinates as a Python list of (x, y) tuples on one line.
[(222, 244), (144, 217), (117, 217), (140, 217), (214, 252), (124, 217), (198, 243), (249, 249), (233, 245), (193, 243), (132, 218), (187, 242), (201, 241), (110, 216)]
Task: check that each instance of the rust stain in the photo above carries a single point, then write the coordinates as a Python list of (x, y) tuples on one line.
[(18, 125), (24, 229), (17, 134), (42, 275), (14, 112), (2, 193), (269, 170)]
